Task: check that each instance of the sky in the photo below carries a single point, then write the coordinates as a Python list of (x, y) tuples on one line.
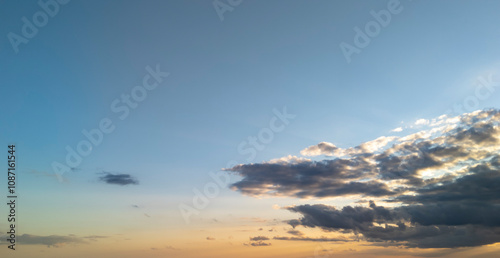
[(251, 128)]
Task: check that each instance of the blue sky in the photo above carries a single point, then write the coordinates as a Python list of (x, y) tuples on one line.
[(226, 77)]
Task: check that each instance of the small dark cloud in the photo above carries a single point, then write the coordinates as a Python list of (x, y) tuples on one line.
[(295, 232), (118, 179), (258, 238), (210, 238), (259, 243)]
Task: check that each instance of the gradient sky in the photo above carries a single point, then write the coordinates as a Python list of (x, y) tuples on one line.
[(227, 78)]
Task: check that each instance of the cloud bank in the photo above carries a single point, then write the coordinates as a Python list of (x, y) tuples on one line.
[(443, 184)]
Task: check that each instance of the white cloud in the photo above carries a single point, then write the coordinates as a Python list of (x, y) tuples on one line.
[(290, 159), (399, 129), (422, 122), (322, 148)]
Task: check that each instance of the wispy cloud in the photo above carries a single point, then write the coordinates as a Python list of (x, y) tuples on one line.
[(311, 239), (52, 240)]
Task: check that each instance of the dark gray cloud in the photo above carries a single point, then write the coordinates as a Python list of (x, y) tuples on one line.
[(118, 179), (310, 178), (295, 232), (52, 240), (259, 238), (348, 218), (443, 183), (460, 212), (393, 227), (480, 185), (259, 243)]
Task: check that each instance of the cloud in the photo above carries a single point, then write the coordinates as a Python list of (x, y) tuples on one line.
[(210, 238), (295, 232), (442, 184), (52, 240), (329, 149), (395, 226), (306, 179), (422, 122), (310, 239), (288, 160), (399, 129), (258, 238), (376, 169), (323, 148), (349, 218), (119, 179), (259, 243)]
